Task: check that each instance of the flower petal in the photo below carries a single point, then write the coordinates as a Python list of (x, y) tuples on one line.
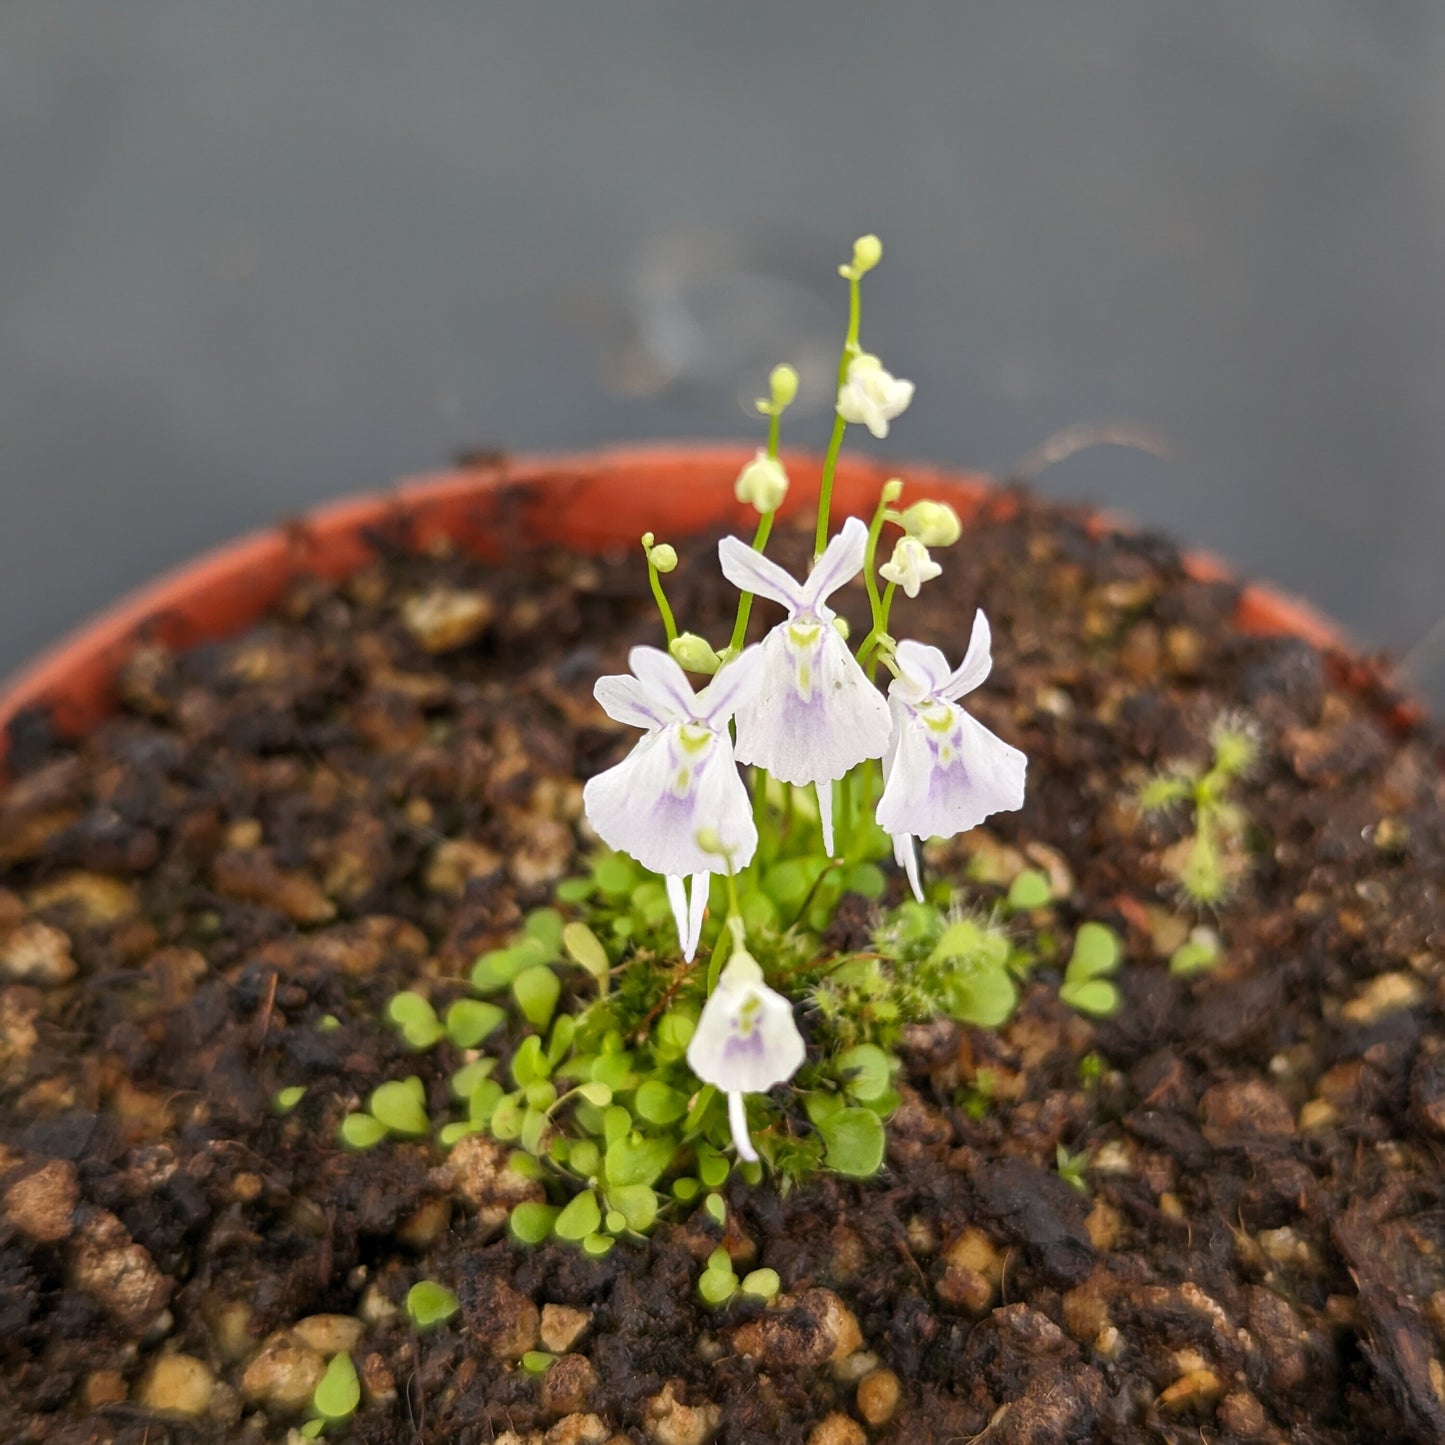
[(626, 700), (813, 714), (696, 909), (905, 854), (923, 670), (677, 900), (750, 571), (825, 815), (665, 682), (720, 699), (738, 1123), (976, 665), (842, 560), (948, 778), (655, 800)]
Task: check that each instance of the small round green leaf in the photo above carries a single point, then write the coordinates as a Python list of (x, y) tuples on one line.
[(761, 1283), (717, 1286), (545, 925), (287, 1099), (537, 990), (853, 1142), (469, 1021), (531, 1222), (580, 1216), (395, 1103), (598, 1244), (1096, 952), (584, 1156), (429, 1303), (361, 1131), (864, 1070), (717, 1209), (595, 1093), (637, 1204), (470, 1075), (658, 1104), (1095, 996), (584, 948), (339, 1392), (536, 1362), (1029, 890), (981, 993), (416, 1019), (530, 1063), (637, 1159)]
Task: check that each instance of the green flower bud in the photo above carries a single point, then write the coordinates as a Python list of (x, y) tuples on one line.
[(763, 483), (867, 253), (892, 490), (647, 540), (694, 653), (783, 381), (935, 524), (663, 557), (840, 626)]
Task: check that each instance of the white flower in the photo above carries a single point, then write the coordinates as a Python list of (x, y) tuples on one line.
[(681, 777), (910, 566), (763, 483), (808, 714), (872, 396), (745, 1042), (944, 772)]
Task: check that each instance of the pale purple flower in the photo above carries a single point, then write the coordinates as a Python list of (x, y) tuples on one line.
[(808, 714), (745, 1042), (944, 772), (681, 778)]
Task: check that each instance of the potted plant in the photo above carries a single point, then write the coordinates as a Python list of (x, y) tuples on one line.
[(353, 1086)]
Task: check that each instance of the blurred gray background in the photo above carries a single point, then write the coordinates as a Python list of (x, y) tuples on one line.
[(256, 255)]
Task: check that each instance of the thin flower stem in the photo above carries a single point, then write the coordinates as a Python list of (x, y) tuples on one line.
[(760, 540), (880, 630), (835, 442), (669, 625), (870, 579)]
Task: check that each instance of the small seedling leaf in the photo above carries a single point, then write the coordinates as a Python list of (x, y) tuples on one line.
[(429, 1304), (580, 1216), (853, 1139), (1096, 953), (531, 1222), (469, 1021), (339, 1392), (396, 1105), (537, 990), (362, 1131)]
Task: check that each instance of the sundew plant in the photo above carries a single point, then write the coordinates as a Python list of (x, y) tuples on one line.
[(681, 1013)]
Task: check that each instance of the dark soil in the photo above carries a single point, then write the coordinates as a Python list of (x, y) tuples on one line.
[(301, 822)]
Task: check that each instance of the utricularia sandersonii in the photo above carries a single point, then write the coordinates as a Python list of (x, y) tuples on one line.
[(798, 710), (725, 994)]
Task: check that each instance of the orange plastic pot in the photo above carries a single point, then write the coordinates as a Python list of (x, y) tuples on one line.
[(588, 504)]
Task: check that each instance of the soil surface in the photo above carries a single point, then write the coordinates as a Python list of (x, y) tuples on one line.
[(368, 790)]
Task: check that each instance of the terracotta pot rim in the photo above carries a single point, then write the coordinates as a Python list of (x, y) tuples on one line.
[(72, 676)]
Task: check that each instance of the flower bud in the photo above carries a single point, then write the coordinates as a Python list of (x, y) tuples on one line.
[(694, 653), (647, 540), (663, 556), (867, 253), (840, 626), (783, 381), (892, 490), (935, 524), (763, 483)]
